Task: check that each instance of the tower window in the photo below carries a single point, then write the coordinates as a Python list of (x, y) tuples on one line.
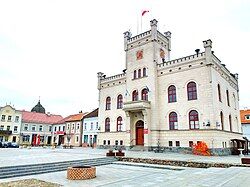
[(135, 95), (144, 94)]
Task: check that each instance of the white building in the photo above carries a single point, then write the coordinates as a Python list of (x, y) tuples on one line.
[(10, 124), (90, 128), (168, 103), (37, 124)]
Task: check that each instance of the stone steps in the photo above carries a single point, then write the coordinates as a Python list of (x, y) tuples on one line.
[(24, 170)]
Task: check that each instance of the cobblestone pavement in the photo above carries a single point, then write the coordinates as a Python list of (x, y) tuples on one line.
[(128, 176), (132, 176), (13, 156)]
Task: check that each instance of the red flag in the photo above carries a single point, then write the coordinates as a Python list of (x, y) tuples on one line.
[(144, 12)]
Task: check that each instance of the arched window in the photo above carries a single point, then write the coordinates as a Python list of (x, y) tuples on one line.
[(234, 101), (192, 91), (135, 74), (227, 93), (107, 125), (173, 121), (119, 101), (230, 122), (193, 119), (144, 72), (144, 94), (108, 103), (219, 94), (171, 94), (222, 120), (135, 95), (119, 124), (139, 73)]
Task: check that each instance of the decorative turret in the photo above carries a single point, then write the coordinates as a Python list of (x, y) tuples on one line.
[(153, 24), (208, 50), (127, 36), (99, 76)]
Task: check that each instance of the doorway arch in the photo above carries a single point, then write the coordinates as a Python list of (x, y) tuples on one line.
[(139, 132)]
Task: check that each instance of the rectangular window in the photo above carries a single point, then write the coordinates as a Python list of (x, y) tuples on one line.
[(59, 128), (108, 142), (177, 143), (17, 119), (73, 126), (40, 128), (77, 139), (78, 126), (3, 118), (121, 142), (26, 127), (9, 118), (63, 128), (15, 128), (33, 128), (116, 142), (191, 143), (68, 126), (91, 126), (8, 128), (1, 127), (96, 126), (85, 139), (104, 142), (170, 143), (85, 126), (50, 128)]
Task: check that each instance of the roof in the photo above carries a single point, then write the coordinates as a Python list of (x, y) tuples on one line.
[(243, 119), (75, 117), (34, 117), (92, 114)]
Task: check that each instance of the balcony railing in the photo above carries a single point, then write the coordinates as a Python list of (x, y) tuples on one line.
[(5, 132), (136, 105)]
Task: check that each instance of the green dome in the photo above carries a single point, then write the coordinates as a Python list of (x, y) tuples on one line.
[(38, 108)]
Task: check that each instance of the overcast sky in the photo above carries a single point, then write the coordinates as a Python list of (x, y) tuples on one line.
[(54, 49)]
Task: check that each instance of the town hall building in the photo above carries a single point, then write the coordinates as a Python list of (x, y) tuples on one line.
[(172, 104)]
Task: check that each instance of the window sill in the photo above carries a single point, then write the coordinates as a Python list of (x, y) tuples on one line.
[(139, 78)]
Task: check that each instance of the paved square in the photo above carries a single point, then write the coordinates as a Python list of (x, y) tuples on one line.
[(124, 175)]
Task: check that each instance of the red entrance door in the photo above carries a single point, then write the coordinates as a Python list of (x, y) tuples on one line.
[(139, 133)]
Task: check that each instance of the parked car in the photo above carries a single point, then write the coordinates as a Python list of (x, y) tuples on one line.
[(14, 145), (6, 144), (10, 144)]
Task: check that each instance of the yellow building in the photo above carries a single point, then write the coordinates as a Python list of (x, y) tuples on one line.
[(10, 124)]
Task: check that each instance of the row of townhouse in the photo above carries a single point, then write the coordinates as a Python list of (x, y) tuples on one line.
[(26, 127)]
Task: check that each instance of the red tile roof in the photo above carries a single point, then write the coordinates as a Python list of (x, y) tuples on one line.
[(243, 119), (75, 117), (33, 117)]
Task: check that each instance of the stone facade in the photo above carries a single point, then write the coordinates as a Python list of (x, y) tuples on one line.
[(202, 107)]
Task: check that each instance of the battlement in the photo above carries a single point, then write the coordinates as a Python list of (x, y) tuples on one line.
[(183, 59), (139, 36), (112, 78)]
